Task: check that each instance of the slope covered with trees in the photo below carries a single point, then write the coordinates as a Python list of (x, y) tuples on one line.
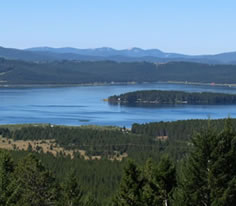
[(205, 176), (74, 72)]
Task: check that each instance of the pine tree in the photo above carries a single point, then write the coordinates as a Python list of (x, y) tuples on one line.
[(71, 192), (34, 184), (6, 171), (223, 168), (151, 192), (130, 191), (195, 184), (166, 179), (89, 200), (209, 174)]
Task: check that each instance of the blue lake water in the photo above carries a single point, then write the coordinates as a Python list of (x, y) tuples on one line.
[(84, 105)]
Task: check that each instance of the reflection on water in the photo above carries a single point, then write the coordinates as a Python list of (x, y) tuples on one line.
[(85, 105)]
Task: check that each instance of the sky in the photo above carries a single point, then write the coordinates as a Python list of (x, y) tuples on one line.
[(182, 26)]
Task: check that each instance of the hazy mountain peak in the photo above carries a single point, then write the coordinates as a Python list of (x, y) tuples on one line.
[(104, 49), (106, 53), (135, 49)]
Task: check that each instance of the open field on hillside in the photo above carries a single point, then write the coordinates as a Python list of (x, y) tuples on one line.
[(50, 146)]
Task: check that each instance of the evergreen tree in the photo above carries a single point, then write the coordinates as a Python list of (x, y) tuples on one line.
[(166, 179), (89, 200), (130, 191), (151, 193), (71, 192), (223, 168), (34, 184), (196, 188), (209, 174), (6, 171)]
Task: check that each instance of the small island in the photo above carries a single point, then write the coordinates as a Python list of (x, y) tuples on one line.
[(157, 97)]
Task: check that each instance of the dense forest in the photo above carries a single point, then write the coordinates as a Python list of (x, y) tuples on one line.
[(75, 72), (157, 97), (170, 161)]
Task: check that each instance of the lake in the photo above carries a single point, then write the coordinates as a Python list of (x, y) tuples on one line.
[(84, 105)]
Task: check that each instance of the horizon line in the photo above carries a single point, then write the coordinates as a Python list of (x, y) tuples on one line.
[(128, 48)]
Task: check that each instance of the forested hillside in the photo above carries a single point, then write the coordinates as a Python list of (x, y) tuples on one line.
[(74, 72), (157, 97), (101, 176), (204, 174)]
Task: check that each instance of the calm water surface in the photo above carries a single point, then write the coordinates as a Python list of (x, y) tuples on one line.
[(84, 105)]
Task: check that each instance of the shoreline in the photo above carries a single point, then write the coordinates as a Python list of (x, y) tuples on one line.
[(115, 84), (203, 84), (101, 127), (65, 85)]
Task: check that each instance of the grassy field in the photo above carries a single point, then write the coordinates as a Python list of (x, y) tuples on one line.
[(50, 146)]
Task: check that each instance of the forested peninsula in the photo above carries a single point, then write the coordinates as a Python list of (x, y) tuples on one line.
[(157, 97)]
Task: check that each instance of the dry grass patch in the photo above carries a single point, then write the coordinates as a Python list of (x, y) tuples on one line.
[(162, 138), (50, 146)]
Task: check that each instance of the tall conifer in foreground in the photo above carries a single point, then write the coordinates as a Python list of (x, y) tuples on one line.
[(223, 168), (166, 179), (151, 186), (151, 191), (131, 184), (34, 184), (71, 192), (209, 177)]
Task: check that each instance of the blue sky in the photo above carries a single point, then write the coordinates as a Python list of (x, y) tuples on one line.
[(183, 26)]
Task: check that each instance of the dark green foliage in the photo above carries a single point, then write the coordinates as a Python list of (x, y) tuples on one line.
[(166, 179), (76, 72), (130, 193), (209, 174), (156, 97), (98, 177), (179, 130), (104, 142), (4, 132), (90, 200), (223, 173), (6, 172), (150, 186), (206, 166), (151, 191), (71, 192), (35, 185)]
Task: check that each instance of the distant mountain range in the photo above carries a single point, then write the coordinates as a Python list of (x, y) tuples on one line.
[(46, 54), (108, 52)]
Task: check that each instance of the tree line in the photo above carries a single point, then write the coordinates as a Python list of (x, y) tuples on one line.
[(157, 97)]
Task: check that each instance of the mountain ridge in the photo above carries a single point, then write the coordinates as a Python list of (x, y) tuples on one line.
[(45, 54), (226, 57)]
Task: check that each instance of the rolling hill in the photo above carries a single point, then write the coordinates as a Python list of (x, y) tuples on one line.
[(77, 72)]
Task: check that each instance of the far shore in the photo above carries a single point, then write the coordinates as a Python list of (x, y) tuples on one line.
[(114, 84)]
